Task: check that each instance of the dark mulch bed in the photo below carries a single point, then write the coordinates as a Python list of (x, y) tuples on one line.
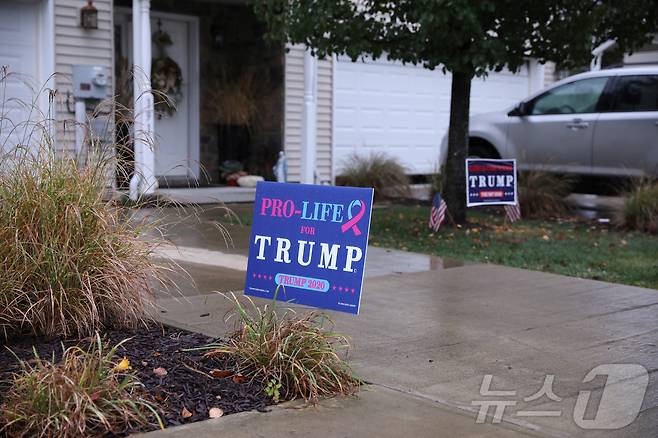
[(184, 387)]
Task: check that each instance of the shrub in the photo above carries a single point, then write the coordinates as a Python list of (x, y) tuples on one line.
[(294, 351), (383, 173), (72, 262), (640, 210), (83, 395), (542, 194)]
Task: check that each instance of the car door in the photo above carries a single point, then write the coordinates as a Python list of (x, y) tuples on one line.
[(626, 136), (555, 131)]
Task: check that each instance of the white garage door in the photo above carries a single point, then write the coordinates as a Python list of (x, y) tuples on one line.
[(404, 111), (18, 53)]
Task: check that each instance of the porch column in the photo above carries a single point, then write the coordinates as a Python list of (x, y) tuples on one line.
[(309, 127), (143, 181)]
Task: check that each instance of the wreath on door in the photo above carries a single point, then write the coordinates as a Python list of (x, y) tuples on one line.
[(166, 76)]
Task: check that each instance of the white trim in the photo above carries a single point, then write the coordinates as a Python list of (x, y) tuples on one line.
[(46, 62), (309, 119), (334, 61)]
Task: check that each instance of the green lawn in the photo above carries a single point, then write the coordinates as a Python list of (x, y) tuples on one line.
[(573, 248)]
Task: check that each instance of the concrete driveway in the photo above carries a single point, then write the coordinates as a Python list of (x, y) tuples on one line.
[(431, 331)]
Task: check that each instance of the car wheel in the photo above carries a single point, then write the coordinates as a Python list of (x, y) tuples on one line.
[(480, 150)]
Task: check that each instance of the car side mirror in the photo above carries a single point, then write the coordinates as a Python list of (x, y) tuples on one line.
[(519, 111)]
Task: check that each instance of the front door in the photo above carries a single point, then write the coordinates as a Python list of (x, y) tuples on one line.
[(175, 55), (556, 134), (172, 120)]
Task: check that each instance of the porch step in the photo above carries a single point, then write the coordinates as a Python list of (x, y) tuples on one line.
[(209, 195)]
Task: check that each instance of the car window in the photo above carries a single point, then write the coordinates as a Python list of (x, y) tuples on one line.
[(636, 93), (575, 97)]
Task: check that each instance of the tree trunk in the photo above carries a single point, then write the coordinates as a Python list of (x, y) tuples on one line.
[(455, 182)]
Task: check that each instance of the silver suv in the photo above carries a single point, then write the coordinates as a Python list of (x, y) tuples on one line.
[(595, 123)]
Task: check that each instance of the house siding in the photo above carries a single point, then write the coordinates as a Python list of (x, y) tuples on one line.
[(294, 112), (74, 45)]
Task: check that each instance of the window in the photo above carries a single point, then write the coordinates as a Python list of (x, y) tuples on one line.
[(636, 93), (573, 98)]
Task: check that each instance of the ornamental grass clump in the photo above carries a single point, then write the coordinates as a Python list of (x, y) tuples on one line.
[(290, 350), (72, 262), (640, 210), (382, 172), (542, 195), (86, 394)]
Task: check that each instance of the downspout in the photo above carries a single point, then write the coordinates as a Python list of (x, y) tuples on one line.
[(309, 127), (597, 54)]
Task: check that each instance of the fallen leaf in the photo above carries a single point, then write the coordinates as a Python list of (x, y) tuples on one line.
[(215, 412), (145, 363), (156, 354), (185, 413), (124, 365), (160, 372), (623, 242), (239, 378), (220, 374)]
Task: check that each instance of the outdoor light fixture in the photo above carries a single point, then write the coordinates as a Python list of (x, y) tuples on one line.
[(89, 16)]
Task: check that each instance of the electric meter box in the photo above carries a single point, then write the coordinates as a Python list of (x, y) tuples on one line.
[(90, 82)]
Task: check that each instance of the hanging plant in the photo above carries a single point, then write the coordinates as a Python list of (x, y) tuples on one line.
[(166, 76)]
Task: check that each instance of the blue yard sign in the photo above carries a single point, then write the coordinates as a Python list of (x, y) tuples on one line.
[(311, 240), (490, 182)]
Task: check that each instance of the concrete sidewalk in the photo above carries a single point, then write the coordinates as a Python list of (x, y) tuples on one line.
[(429, 333), (376, 412)]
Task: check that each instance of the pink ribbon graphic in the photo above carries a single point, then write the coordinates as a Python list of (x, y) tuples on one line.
[(351, 223)]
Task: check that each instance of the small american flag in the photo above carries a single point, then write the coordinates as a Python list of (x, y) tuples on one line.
[(513, 212), (438, 214)]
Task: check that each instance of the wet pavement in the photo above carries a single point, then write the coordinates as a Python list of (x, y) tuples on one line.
[(431, 330), (377, 412)]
